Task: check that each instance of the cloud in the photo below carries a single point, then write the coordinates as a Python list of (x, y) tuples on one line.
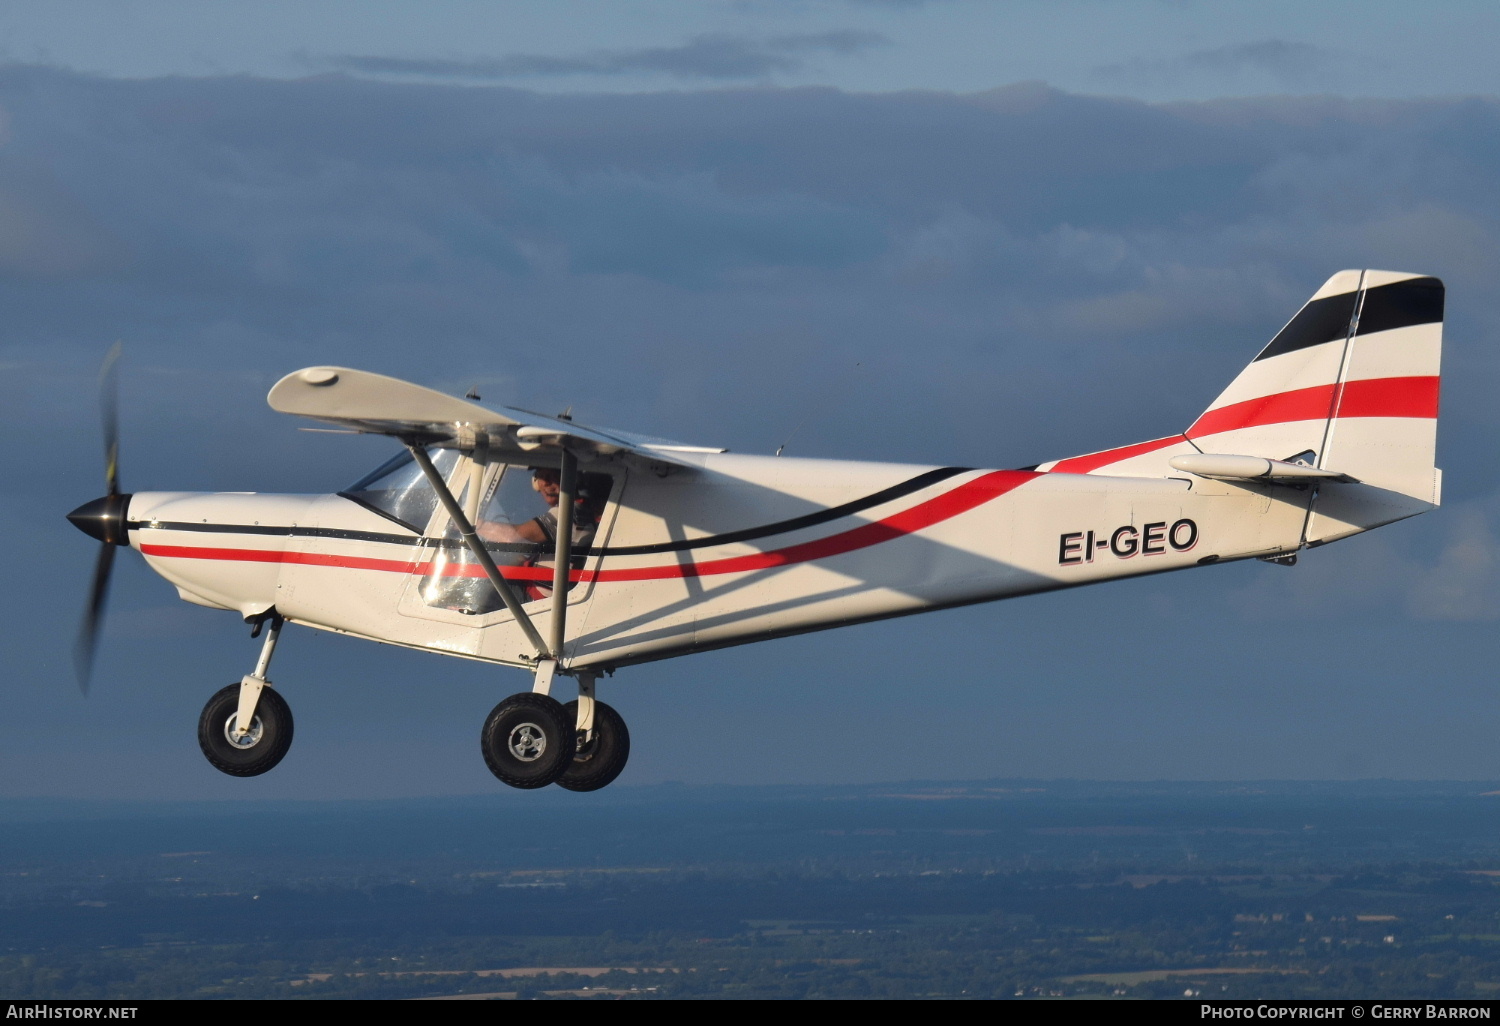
[(1464, 584), (687, 230), (1046, 243), (1453, 577), (709, 56), (1290, 64)]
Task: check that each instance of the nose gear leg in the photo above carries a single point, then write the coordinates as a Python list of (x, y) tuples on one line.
[(252, 683)]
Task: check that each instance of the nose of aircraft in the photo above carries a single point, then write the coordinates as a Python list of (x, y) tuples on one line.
[(103, 518)]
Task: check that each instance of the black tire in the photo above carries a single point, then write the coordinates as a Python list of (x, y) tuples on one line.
[(596, 764), (528, 740), (270, 737)]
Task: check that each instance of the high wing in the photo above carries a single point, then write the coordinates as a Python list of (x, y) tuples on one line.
[(375, 404), (421, 417)]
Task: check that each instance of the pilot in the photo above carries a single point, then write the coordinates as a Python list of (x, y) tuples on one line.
[(547, 483), (542, 530)]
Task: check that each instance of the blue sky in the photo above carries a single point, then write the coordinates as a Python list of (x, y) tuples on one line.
[(993, 234), (1151, 49)]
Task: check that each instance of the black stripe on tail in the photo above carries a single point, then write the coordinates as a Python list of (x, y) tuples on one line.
[(1400, 304)]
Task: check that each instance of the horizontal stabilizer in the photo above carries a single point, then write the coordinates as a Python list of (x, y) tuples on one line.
[(376, 404), (1252, 468)]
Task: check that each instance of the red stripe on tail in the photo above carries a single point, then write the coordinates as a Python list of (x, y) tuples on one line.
[(1373, 397)]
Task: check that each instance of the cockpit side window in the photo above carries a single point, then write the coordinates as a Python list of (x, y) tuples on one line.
[(513, 501), (455, 581), (398, 491)]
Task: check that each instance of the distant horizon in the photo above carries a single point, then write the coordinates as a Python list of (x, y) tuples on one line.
[(624, 795)]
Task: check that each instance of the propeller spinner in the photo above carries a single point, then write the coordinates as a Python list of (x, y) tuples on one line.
[(103, 519)]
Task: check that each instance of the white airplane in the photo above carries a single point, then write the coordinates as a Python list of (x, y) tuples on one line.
[(658, 549)]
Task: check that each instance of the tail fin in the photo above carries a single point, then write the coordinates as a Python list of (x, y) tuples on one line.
[(1349, 385)]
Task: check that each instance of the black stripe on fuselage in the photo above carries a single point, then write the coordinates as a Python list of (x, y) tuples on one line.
[(823, 516), (284, 531), (890, 494), (1400, 304)]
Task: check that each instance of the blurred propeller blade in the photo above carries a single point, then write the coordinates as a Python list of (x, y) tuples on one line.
[(93, 618), (109, 409), (103, 519)]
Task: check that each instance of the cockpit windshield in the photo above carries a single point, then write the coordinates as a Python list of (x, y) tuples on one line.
[(397, 490)]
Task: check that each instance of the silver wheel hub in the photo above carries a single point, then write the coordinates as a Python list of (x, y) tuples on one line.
[(527, 742), (251, 737)]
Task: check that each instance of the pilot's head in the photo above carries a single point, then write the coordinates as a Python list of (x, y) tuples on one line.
[(546, 481)]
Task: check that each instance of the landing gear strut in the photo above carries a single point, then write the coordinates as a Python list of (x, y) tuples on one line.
[(602, 743), (597, 760), (246, 728)]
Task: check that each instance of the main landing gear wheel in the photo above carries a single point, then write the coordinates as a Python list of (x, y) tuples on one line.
[(596, 763), (262, 747), (528, 740)]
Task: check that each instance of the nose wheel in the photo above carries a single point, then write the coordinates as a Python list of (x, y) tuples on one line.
[(246, 728), (251, 752)]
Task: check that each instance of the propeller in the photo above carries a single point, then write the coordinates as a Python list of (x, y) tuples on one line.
[(103, 519)]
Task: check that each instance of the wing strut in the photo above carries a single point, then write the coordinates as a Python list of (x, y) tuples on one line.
[(466, 529), (567, 485)]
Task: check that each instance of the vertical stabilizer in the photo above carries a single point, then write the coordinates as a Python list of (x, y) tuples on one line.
[(1349, 385)]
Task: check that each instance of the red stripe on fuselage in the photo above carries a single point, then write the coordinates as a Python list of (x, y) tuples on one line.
[(1095, 460), (1372, 397), (925, 514)]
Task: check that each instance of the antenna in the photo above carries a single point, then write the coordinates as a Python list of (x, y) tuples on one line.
[(811, 409), (472, 393)]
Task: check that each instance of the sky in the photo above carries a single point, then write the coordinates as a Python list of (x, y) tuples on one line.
[(957, 233)]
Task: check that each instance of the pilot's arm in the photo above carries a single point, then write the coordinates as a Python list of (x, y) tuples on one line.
[(532, 531), (495, 531)]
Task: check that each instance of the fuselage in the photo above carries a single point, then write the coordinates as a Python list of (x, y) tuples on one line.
[(731, 550)]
